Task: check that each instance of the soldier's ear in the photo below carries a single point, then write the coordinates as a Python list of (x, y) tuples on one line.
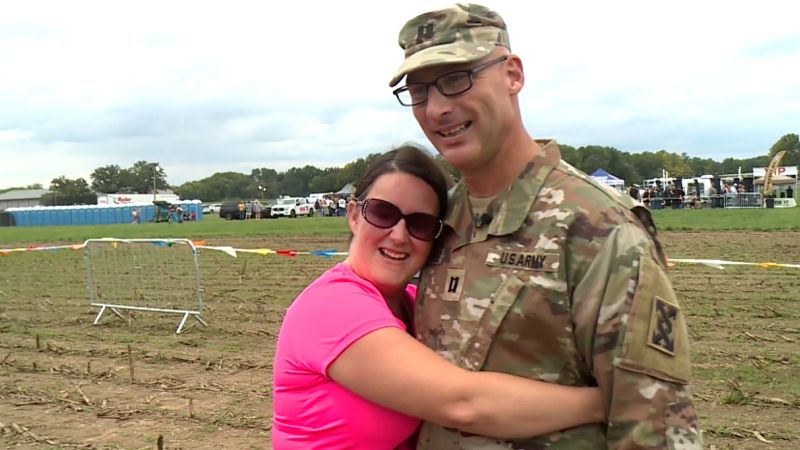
[(514, 74)]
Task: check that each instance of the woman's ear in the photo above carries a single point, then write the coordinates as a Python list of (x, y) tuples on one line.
[(353, 215)]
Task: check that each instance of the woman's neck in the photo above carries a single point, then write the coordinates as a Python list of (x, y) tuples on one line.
[(395, 298)]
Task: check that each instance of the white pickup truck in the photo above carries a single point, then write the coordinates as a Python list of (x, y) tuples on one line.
[(293, 207)]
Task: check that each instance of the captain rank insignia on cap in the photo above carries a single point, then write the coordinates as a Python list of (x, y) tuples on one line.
[(661, 335)]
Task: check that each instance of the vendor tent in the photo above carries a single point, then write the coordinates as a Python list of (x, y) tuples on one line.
[(777, 180), (348, 189), (603, 177)]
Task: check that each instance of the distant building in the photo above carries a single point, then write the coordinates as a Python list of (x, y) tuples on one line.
[(21, 198)]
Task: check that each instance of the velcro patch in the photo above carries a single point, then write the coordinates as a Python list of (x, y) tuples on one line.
[(454, 284), (661, 335), (656, 341), (538, 261)]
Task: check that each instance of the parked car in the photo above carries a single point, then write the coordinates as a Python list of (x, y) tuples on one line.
[(293, 207), (230, 211), (211, 208)]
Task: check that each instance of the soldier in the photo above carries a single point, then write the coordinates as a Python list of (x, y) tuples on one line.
[(543, 273)]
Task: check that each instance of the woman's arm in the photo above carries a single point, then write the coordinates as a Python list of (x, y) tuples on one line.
[(392, 369)]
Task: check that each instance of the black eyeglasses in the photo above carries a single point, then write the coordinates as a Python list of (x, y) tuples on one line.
[(382, 214), (449, 84)]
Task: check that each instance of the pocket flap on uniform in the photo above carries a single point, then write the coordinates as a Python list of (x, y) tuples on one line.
[(477, 347), (656, 340)]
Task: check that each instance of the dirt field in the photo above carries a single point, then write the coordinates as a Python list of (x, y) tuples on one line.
[(65, 383)]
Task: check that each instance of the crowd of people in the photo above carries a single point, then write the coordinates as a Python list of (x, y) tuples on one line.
[(675, 197), (330, 205)]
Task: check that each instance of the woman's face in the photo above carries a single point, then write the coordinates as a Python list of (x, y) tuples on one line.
[(389, 257)]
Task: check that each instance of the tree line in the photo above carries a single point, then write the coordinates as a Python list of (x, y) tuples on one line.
[(144, 176)]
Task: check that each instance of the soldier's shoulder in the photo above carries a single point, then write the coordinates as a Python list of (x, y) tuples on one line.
[(586, 193), (598, 209)]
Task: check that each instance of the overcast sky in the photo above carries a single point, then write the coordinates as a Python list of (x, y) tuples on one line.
[(204, 87)]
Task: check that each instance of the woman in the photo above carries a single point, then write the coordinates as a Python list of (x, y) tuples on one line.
[(348, 373)]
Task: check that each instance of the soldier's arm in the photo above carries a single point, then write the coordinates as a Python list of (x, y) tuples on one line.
[(392, 369), (632, 331)]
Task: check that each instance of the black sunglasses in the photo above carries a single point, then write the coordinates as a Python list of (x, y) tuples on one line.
[(382, 214)]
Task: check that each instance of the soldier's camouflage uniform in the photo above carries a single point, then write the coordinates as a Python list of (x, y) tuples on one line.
[(566, 285)]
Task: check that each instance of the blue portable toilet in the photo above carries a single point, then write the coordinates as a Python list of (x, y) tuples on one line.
[(199, 209), (116, 213), (63, 217), (68, 215), (54, 216), (26, 216), (36, 217), (92, 215), (16, 213), (22, 217), (145, 215), (47, 216), (106, 215), (79, 215), (44, 216), (100, 217)]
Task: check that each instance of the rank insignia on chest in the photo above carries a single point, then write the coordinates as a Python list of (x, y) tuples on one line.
[(661, 334), (454, 285)]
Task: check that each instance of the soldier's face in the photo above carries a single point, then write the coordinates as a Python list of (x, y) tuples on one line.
[(467, 129), (388, 257)]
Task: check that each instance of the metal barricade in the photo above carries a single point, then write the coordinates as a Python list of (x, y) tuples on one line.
[(744, 200)]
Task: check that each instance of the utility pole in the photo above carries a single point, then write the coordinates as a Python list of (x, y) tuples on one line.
[(155, 176)]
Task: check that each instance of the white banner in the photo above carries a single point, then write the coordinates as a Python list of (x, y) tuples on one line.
[(759, 172)]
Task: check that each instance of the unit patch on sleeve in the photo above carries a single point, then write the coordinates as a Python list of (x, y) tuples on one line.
[(661, 335)]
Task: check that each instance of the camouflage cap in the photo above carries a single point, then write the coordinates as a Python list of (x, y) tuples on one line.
[(457, 34)]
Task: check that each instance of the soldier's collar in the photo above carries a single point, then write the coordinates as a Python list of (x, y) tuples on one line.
[(507, 212)]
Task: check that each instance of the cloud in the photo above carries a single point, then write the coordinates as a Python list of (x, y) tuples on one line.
[(206, 86)]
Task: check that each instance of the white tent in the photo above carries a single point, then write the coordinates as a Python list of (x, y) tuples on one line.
[(348, 189)]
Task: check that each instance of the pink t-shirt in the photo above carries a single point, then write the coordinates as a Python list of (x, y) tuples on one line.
[(311, 411)]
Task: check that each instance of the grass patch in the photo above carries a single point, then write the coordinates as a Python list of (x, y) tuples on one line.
[(721, 219), (707, 219), (207, 228)]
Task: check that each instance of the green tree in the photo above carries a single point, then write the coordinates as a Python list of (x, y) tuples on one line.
[(268, 179), (352, 171), (108, 179), (327, 181), (220, 186), (570, 154), (64, 191), (142, 174), (791, 144), (700, 166)]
